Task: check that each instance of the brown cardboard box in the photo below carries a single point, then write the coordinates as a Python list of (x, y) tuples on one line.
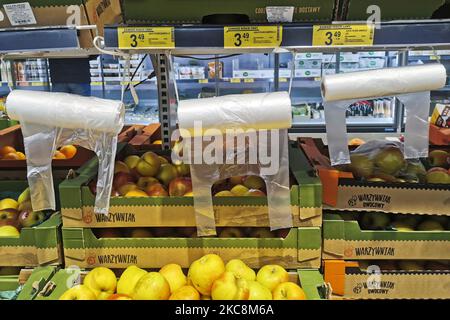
[(61, 13)]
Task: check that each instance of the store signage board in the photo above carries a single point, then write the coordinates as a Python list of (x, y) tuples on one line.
[(343, 35), (252, 36), (146, 37)]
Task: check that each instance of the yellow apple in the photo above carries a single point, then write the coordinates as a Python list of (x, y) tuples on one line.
[(128, 280), (204, 271), (9, 232), (102, 281), (79, 292), (240, 270), (24, 196), (288, 291), (132, 161), (185, 293), (174, 276), (205, 298), (255, 290), (152, 286), (225, 287), (271, 275), (8, 203)]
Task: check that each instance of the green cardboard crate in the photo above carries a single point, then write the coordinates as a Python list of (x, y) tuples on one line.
[(40, 245), (356, 10), (345, 240), (300, 249), (181, 11), (6, 123), (26, 285), (77, 202)]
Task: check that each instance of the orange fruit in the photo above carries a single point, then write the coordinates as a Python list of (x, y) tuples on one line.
[(21, 155), (69, 151), (11, 156), (5, 150), (59, 155)]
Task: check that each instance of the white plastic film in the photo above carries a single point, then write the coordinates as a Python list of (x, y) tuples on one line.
[(247, 111), (236, 143), (342, 90), (383, 82), (50, 120)]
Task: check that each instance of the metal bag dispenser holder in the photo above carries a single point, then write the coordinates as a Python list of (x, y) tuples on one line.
[(411, 85), (50, 120), (229, 130)]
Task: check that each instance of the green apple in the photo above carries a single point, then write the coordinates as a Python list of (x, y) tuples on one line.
[(29, 218), (375, 221), (439, 158), (390, 160), (254, 182), (167, 173), (361, 165)]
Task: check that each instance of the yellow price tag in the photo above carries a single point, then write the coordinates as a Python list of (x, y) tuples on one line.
[(434, 57), (282, 79), (343, 35), (235, 80), (249, 80), (37, 84), (146, 37), (96, 83), (252, 36), (203, 81)]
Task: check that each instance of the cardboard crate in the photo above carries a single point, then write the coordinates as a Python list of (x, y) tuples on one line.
[(6, 123), (12, 136), (77, 202), (31, 280), (142, 137), (345, 240), (181, 11), (311, 281), (350, 282), (342, 192), (300, 249), (356, 10), (439, 136), (58, 12), (40, 245)]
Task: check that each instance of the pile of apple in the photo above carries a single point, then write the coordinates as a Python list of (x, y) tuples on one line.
[(188, 232), (407, 265), (152, 175), (208, 278), (389, 165), (399, 222), (18, 214)]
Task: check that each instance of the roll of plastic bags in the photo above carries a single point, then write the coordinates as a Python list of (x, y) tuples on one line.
[(249, 137), (50, 120), (411, 85)]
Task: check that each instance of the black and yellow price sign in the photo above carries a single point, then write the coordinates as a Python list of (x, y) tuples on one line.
[(343, 35), (146, 37), (252, 36)]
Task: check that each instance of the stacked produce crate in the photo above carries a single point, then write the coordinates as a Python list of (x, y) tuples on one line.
[(385, 235)]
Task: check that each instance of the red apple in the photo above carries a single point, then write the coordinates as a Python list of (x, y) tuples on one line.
[(178, 187), (121, 178), (156, 190)]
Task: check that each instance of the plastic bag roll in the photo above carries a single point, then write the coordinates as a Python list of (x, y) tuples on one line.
[(50, 120), (251, 111), (383, 82), (65, 110)]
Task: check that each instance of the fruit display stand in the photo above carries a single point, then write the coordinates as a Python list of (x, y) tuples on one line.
[(342, 192), (346, 240), (77, 202), (350, 281), (12, 136)]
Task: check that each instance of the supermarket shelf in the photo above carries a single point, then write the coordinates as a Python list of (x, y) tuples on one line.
[(350, 121), (392, 35)]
